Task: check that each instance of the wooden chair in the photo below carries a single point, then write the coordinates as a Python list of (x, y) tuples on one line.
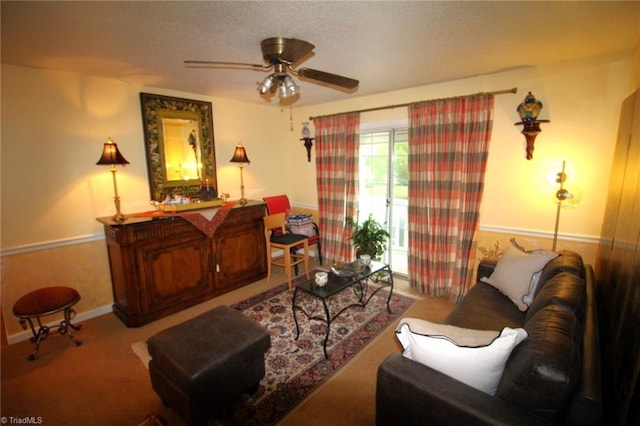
[(287, 243), (280, 204)]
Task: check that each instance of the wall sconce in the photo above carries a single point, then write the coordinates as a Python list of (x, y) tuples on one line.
[(308, 140), (111, 156), (529, 110), (240, 156)]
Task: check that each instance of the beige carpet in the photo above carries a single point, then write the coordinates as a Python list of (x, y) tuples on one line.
[(102, 382), (142, 352)]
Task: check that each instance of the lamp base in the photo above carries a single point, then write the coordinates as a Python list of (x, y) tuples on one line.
[(119, 217), (242, 201)]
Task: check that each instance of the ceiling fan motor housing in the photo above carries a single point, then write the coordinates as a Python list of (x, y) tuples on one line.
[(279, 50)]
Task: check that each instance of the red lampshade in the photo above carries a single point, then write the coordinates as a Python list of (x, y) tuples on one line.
[(240, 155), (111, 155)]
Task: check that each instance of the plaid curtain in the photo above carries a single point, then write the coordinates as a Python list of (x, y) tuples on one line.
[(448, 149), (337, 142)]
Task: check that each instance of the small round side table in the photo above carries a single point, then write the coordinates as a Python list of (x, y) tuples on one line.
[(43, 302)]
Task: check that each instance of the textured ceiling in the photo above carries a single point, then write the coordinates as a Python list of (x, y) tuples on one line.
[(386, 45)]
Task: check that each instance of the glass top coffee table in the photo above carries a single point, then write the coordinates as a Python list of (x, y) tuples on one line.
[(364, 285)]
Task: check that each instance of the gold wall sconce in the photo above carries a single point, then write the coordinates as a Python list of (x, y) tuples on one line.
[(308, 140), (529, 109), (111, 156)]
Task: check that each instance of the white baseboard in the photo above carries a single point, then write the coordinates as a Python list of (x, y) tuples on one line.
[(46, 245), (26, 335)]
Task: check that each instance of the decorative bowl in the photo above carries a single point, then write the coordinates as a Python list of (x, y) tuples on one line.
[(348, 269)]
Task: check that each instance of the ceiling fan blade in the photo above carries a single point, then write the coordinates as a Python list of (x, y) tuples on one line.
[(325, 77), (218, 64), (287, 50)]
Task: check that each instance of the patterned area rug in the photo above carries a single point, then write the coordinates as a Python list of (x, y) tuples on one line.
[(295, 368)]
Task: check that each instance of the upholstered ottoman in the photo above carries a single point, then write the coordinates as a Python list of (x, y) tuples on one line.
[(202, 365)]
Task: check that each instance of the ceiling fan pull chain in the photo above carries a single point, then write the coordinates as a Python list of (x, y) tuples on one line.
[(290, 119)]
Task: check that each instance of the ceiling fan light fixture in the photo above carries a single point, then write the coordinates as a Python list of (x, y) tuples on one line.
[(287, 88), (291, 85), (282, 92), (267, 85)]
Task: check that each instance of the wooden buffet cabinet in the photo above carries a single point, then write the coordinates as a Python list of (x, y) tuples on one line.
[(161, 265)]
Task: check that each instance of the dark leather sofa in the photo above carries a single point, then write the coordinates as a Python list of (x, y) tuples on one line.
[(552, 377)]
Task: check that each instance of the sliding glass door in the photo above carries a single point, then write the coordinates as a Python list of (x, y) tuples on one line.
[(383, 191)]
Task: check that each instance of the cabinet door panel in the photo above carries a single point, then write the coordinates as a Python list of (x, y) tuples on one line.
[(174, 271), (238, 259), (239, 251)]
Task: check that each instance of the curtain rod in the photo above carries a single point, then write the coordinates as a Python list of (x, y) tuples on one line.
[(495, 92)]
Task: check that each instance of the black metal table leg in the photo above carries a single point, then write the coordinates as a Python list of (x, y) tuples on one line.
[(295, 317), (37, 336), (390, 290), (326, 338), (63, 328)]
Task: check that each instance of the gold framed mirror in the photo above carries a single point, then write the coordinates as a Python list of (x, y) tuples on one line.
[(179, 144)]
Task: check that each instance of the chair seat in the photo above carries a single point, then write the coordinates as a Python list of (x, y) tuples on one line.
[(45, 301), (287, 238)]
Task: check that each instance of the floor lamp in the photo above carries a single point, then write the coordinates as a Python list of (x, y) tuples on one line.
[(240, 156), (561, 195), (111, 156)]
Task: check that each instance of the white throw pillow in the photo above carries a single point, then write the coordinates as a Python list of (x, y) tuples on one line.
[(514, 272), (474, 357)]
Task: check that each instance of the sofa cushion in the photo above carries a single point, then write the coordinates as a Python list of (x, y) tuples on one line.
[(543, 371), (566, 261), (485, 308), (566, 291), (474, 357), (514, 272)]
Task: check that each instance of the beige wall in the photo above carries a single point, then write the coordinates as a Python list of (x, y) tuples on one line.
[(54, 124)]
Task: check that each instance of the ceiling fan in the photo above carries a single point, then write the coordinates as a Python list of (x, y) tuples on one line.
[(280, 55)]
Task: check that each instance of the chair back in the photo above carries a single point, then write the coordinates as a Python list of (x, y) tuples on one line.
[(271, 222), (277, 204)]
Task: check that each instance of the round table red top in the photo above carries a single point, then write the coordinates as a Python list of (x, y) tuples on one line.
[(44, 301)]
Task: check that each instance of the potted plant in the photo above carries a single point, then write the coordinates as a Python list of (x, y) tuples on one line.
[(369, 237)]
